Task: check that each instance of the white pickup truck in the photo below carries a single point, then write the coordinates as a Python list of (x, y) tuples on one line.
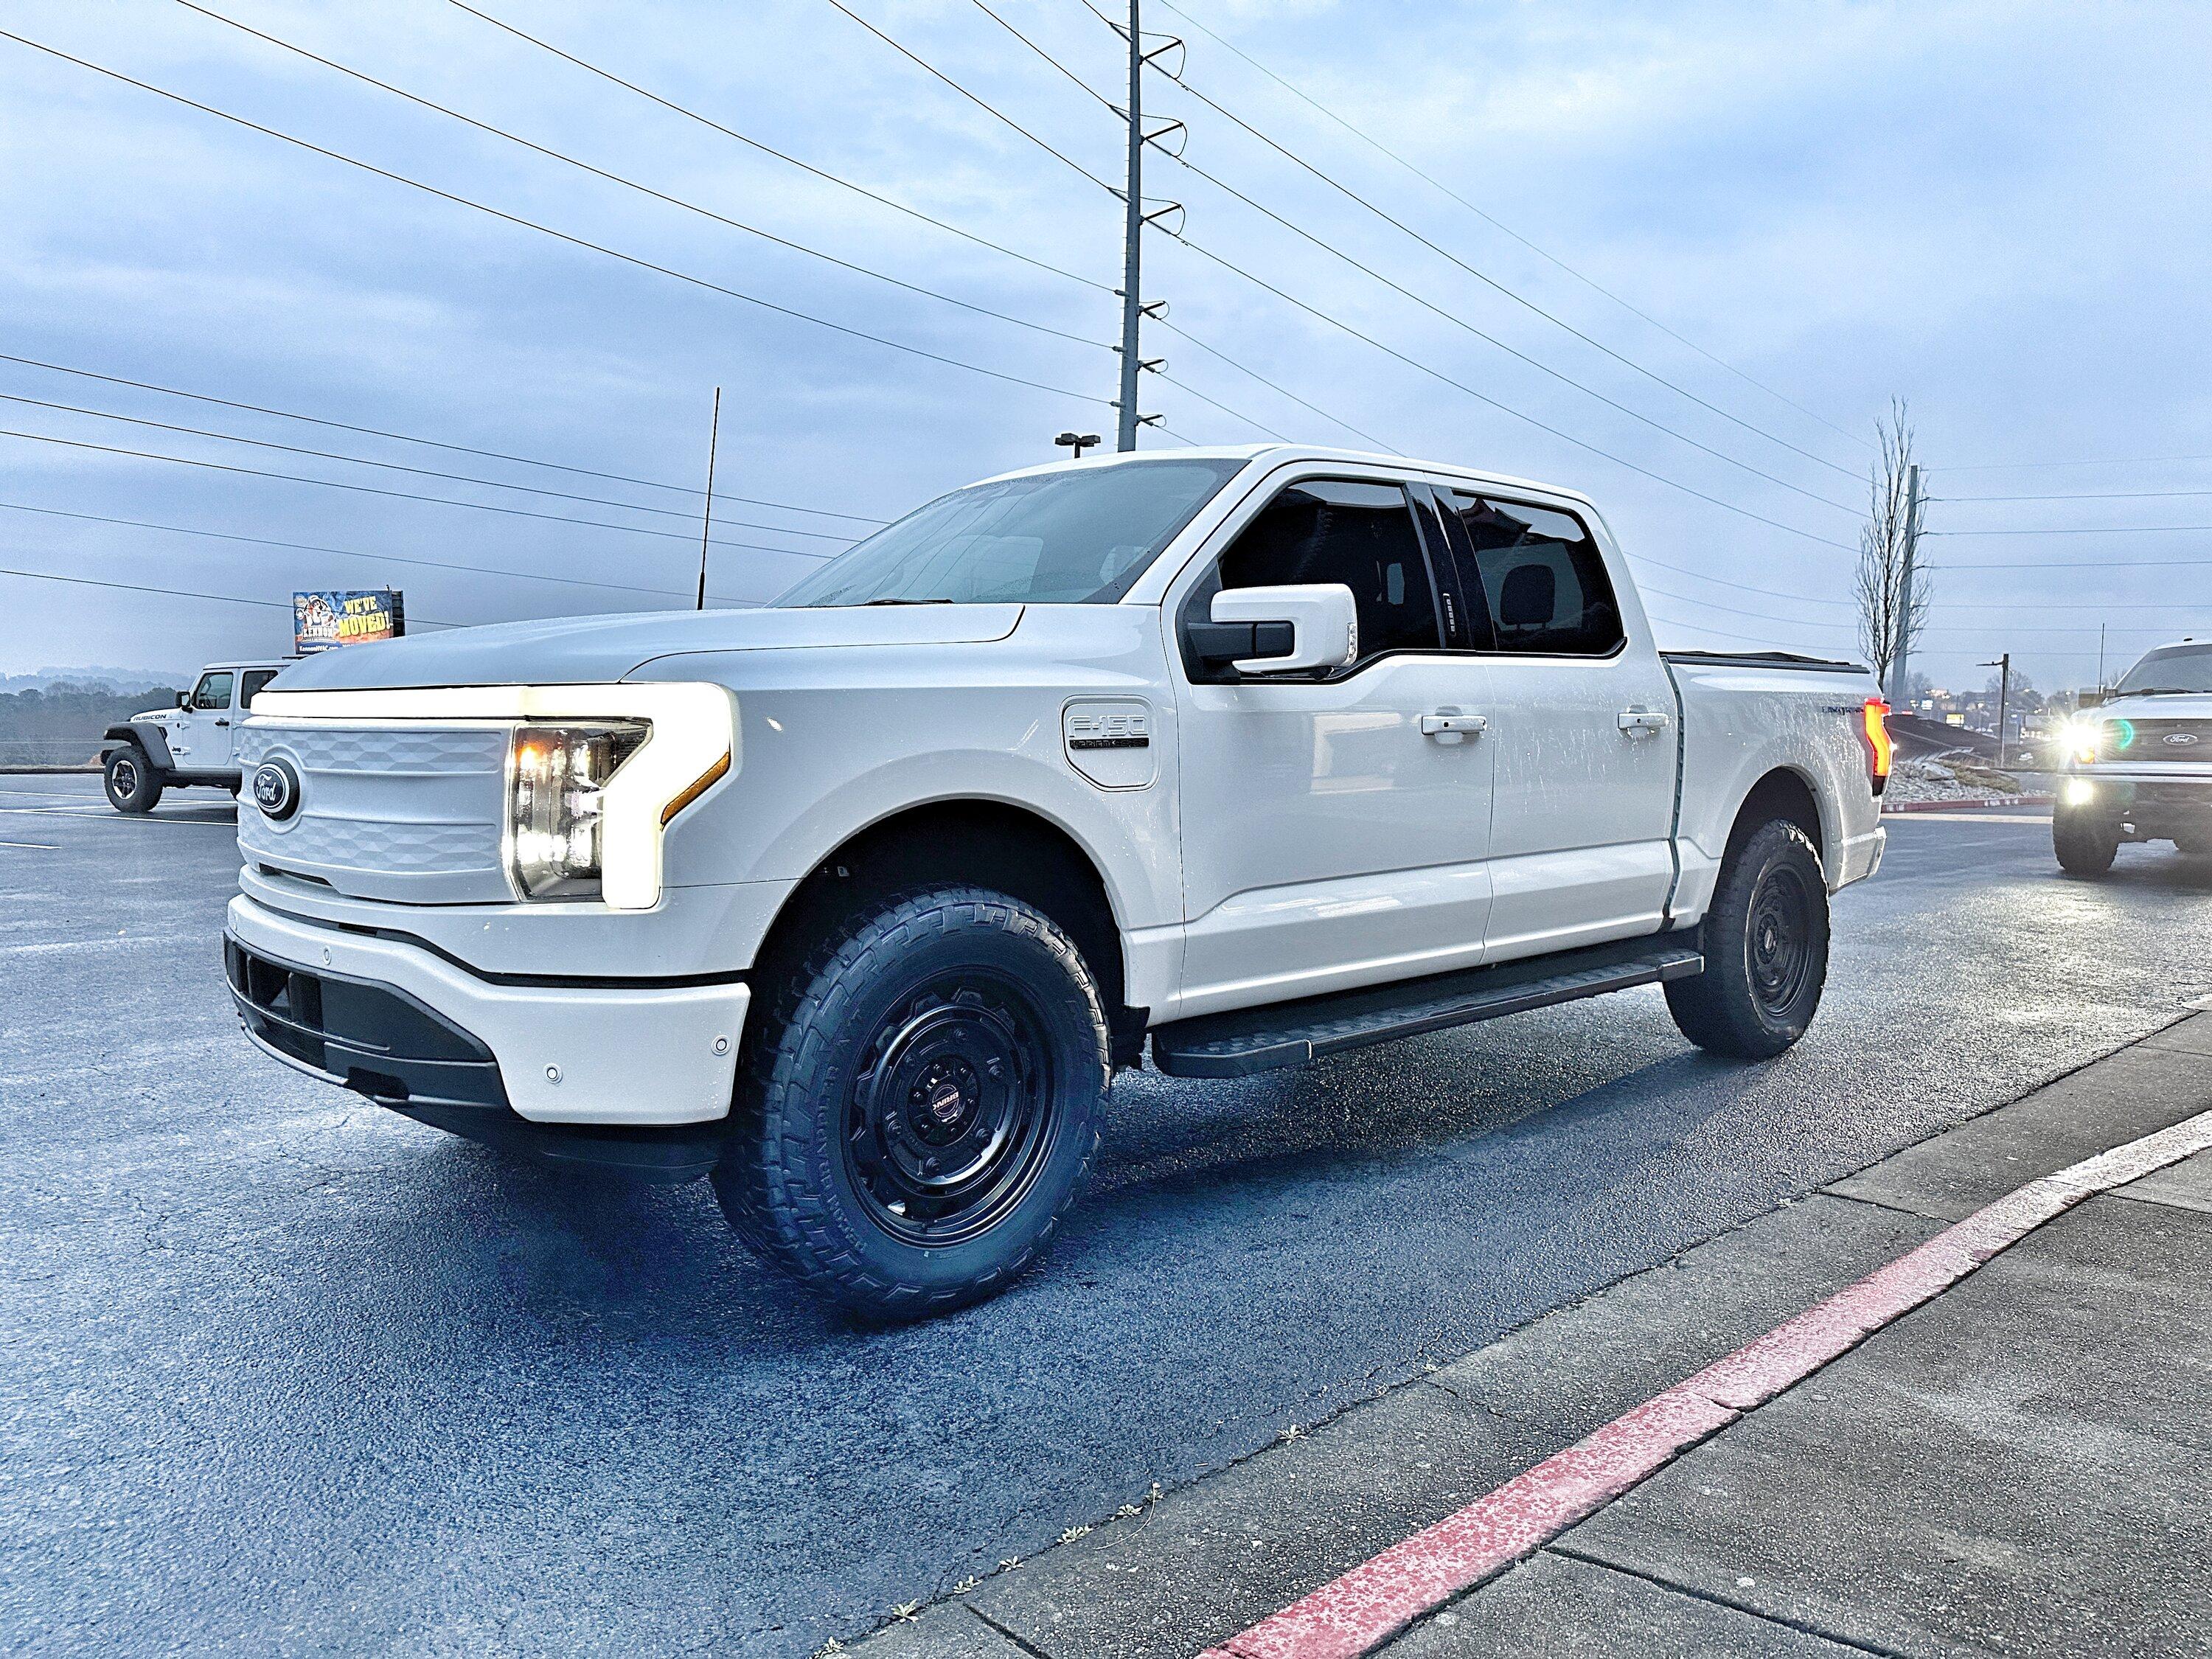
[(858, 900), (2138, 764)]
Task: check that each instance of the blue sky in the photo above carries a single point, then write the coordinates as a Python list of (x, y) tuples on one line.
[(1995, 212)]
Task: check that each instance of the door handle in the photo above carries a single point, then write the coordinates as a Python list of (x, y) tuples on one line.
[(223, 722), (1442, 724), (1637, 721)]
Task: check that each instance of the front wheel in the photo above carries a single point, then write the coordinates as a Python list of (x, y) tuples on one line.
[(919, 1104), (2085, 840), (1766, 948), (131, 783)]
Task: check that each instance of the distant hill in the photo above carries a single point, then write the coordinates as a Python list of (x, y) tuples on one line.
[(98, 678), (59, 725)]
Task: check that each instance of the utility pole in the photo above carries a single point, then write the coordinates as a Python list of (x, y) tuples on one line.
[(707, 529), (1900, 685), (1132, 233), (2003, 665), (2101, 656)]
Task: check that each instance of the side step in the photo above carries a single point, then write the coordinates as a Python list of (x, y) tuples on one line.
[(1293, 1033)]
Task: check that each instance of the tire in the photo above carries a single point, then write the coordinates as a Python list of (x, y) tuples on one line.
[(955, 1026), (1766, 948), (132, 784), (2084, 841)]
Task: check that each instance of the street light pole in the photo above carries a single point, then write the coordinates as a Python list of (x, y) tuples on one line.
[(1132, 234), (1900, 687)]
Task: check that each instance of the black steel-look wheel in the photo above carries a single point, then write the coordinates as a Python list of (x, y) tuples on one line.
[(2085, 840), (133, 786), (1765, 948), (919, 1105)]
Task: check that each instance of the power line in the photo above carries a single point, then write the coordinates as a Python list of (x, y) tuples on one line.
[(1946, 569), (2092, 495), (1483, 398), (996, 113), (1456, 320), (432, 443), (2085, 529), (396, 494), (559, 235), (395, 466), (1371, 340), (347, 552), (644, 189), (2020, 466), (186, 593), (768, 150), (1215, 351), (1499, 225)]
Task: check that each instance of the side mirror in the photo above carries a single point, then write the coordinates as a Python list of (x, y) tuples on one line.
[(183, 699), (2089, 700), (1281, 630)]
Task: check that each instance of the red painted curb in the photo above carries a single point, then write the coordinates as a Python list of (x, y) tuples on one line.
[(1358, 1613)]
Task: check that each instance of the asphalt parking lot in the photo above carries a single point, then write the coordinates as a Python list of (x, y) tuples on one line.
[(281, 1370)]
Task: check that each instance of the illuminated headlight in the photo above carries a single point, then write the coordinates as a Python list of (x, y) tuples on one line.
[(556, 803), (2081, 740), (2079, 792)]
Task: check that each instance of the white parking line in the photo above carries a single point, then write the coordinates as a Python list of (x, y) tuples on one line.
[(36, 845)]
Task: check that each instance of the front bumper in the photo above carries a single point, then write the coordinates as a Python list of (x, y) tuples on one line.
[(2150, 803), (404, 1026)]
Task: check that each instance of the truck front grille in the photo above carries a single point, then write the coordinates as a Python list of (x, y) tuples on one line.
[(412, 814), (2166, 742)]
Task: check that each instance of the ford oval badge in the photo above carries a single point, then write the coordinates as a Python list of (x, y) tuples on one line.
[(276, 790)]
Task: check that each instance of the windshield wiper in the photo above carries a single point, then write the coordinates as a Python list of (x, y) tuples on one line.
[(2156, 692), (906, 601)]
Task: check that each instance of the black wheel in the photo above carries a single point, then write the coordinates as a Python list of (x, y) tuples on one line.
[(2084, 839), (1765, 948), (133, 785), (919, 1105)]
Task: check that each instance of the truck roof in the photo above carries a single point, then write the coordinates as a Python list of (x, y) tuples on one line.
[(1278, 452)]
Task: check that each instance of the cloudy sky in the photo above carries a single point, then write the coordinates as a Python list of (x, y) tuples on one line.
[(1994, 212)]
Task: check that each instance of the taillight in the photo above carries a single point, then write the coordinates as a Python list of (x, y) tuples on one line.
[(1874, 729)]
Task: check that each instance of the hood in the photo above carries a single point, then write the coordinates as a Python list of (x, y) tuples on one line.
[(2172, 706), (596, 650)]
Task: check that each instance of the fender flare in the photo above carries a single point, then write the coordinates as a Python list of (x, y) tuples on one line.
[(153, 744)]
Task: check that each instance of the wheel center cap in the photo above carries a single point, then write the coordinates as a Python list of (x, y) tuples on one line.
[(945, 1105)]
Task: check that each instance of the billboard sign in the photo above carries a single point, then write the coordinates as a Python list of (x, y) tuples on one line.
[(321, 619)]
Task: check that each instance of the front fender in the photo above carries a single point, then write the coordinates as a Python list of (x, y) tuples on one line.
[(151, 738)]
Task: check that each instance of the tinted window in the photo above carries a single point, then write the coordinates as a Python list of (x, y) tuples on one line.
[(249, 687), (1539, 574), (1082, 536), (212, 692), (1358, 534)]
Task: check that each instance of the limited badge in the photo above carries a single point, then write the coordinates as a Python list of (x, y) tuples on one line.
[(276, 790)]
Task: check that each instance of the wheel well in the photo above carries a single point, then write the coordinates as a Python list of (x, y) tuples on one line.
[(982, 843), (1782, 794)]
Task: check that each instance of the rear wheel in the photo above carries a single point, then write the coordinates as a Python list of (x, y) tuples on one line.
[(132, 784), (1766, 948), (920, 1105), (2085, 840)]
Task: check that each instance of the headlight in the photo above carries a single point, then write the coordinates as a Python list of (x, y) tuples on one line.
[(557, 799), (2081, 740)]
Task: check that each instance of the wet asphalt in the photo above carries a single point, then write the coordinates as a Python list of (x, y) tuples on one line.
[(281, 1373)]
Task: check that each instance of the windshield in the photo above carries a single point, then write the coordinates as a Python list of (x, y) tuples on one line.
[(1081, 536), (2177, 668)]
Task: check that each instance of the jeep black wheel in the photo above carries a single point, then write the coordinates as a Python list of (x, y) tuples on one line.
[(133, 786), (2084, 839), (919, 1104), (1766, 948)]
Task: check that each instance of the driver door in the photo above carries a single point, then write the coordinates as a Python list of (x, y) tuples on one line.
[(200, 737), (1334, 832)]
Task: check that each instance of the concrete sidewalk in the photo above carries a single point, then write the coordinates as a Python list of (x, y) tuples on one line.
[(2020, 1466)]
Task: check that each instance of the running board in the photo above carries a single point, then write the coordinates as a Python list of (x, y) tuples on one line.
[(1251, 1040)]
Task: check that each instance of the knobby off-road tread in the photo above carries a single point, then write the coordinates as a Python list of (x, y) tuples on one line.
[(762, 1182), (1714, 1009)]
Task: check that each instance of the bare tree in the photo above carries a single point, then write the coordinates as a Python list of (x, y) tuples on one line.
[(1886, 620)]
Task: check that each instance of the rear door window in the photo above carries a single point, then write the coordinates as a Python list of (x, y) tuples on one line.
[(1538, 574), (249, 687), (1359, 534)]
